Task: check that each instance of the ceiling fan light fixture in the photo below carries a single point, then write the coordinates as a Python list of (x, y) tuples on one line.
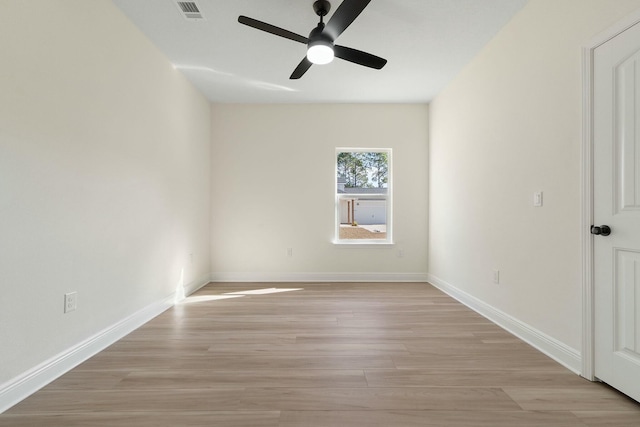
[(320, 52)]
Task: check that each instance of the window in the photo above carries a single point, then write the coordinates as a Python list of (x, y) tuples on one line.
[(363, 196)]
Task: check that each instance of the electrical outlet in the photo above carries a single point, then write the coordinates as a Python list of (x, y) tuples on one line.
[(496, 277), (70, 301), (537, 199)]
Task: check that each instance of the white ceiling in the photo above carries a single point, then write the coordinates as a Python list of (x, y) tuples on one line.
[(427, 42)]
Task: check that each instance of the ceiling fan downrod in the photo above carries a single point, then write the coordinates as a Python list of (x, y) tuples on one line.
[(321, 8)]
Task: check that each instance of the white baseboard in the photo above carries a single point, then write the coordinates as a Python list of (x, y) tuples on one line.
[(195, 285), (24, 385), (318, 277), (560, 352)]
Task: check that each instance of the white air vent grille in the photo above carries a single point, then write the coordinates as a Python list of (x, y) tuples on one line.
[(190, 10)]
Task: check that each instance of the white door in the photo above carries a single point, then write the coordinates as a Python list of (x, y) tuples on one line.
[(616, 134)]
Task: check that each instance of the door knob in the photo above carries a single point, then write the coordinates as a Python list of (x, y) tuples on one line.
[(603, 230)]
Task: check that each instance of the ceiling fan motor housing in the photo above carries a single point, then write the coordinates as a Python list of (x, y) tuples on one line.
[(320, 46), (321, 7), (317, 36)]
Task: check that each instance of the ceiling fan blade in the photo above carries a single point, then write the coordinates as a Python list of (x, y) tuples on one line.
[(346, 13), (302, 68), (359, 57), (263, 26)]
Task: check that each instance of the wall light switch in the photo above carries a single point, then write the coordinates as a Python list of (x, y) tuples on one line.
[(537, 199), (496, 277)]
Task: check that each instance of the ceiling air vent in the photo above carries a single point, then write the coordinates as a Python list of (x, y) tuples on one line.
[(190, 10)]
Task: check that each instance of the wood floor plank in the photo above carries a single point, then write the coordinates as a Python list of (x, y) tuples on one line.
[(428, 419), (436, 339), (155, 362), (158, 400), (528, 362), (472, 378), (609, 418), (154, 380), (405, 398), (596, 398), (325, 354), (88, 380), (147, 419), (269, 362), (347, 349)]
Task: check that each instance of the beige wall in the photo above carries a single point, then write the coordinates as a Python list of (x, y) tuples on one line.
[(104, 176), (273, 184), (507, 126)]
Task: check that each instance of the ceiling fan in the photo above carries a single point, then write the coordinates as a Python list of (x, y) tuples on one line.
[(320, 43)]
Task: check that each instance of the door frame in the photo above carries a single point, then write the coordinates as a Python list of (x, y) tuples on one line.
[(588, 285)]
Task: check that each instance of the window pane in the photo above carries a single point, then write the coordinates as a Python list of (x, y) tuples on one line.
[(368, 171), (362, 218)]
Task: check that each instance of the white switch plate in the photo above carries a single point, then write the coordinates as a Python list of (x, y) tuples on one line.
[(496, 277), (537, 199)]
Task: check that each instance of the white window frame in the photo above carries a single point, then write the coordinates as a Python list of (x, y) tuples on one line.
[(388, 197)]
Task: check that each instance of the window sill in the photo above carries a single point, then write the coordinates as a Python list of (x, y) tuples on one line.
[(363, 244)]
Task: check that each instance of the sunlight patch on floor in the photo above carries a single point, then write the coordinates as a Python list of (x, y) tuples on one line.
[(264, 291), (239, 294), (207, 298)]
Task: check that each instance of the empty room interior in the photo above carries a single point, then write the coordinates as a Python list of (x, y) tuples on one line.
[(180, 243)]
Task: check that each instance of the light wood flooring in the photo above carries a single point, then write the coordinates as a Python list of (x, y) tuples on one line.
[(325, 355)]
